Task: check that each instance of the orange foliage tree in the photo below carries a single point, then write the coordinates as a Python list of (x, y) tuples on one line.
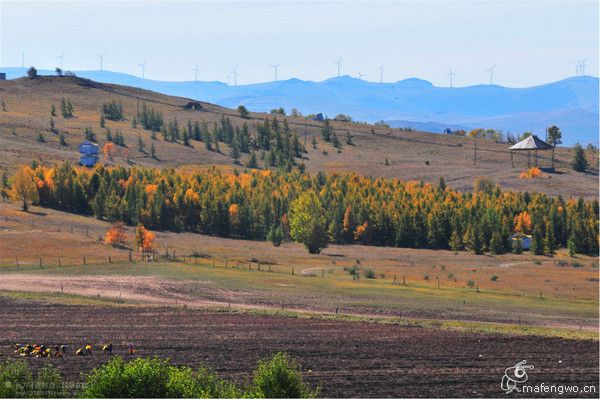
[(116, 235), (109, 150), (144, 239)]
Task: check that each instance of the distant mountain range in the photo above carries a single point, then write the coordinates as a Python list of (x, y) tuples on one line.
[(572, 104)]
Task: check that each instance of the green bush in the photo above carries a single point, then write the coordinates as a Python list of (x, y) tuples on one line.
[(280, 377), (15, 379), (140, 378), (369, 273), (155, 378), (48, 383)]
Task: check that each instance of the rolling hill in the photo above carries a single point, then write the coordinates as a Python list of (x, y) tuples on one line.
[(375, 150), (571, 103)]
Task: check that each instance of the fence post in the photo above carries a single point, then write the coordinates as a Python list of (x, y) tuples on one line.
[(59, 264), (322, 272), (292, 270), (17, 258), (109, 260), (130, 256), (258, 264), (269, 267), (403, 280), (41, 262), (61, 287), (226, 263), (71, 229)]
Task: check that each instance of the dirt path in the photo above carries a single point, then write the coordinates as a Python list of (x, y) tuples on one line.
[(160, 291)]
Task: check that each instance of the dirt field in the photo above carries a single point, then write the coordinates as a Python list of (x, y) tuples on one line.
[(346, 358), (410, 155)]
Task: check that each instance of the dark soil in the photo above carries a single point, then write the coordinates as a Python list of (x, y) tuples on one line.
[(348, 359)]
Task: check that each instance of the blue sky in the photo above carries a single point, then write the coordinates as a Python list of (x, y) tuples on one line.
[(530, 42)]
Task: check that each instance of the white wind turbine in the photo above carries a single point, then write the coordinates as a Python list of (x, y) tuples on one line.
[(101, 56), (339, 66), (491, 71), (451, 75), (143, 66), (275, 69)]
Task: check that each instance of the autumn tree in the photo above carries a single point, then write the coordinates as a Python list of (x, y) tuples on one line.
[(109, 150), (116, 235), (24, 188), (144, 239), (307, 222)]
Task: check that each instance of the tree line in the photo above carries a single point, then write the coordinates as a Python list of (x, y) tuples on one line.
[(315, 209)]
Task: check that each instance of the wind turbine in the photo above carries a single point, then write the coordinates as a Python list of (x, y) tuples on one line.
[(451, 75), (228, 82), (577, 66), (23, 60), (582, 66), (380, 73), (339, 66), (101, 56), (61, 57), (195, 69), (491, 71), (235, 73), (143, 66), (360, 75), (275, 69)]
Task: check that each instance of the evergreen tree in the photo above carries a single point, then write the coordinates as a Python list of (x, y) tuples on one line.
[(579, 162), (455, 242), (496, 243), (537, 241), (141, 145)]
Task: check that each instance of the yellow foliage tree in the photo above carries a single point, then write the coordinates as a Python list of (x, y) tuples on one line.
[(523, 223), (24, 188)]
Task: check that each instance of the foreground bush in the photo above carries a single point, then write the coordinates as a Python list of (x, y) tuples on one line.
[(16, 381), (278, 377)]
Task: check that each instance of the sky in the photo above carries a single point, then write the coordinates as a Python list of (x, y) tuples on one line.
[(529, 42)]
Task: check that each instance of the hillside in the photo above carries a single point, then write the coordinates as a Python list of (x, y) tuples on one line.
[(571, 103), (410, 155)]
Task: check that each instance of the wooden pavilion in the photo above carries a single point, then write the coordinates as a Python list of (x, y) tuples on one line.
[(531, 144)]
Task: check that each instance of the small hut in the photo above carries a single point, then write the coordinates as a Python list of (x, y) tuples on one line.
[(89, 153), (531, 144)]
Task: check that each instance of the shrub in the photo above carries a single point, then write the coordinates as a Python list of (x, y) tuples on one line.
[(470, 283), (494, 278), (280, 377), (576, 264), (562, 263), (353, 271), (15, 379), (531, 173), (369, 273), (48, 383), (140, 378), (426, 277)]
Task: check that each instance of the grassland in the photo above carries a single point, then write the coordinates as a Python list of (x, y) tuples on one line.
[(410, 155)]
